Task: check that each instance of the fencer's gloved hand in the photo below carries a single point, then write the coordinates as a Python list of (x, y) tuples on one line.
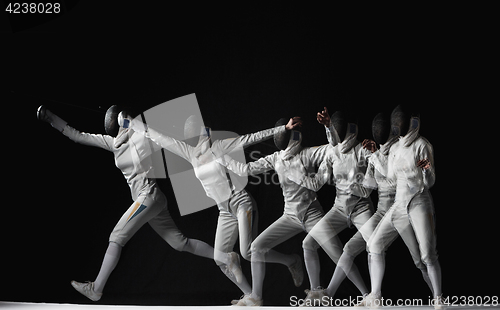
[(323, 117), (370, 145), (359, 190), (46, 115)]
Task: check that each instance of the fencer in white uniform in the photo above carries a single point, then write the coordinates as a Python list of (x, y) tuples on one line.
[(302, 212), (411, 167), (345, 161), (149, 206), (237, 209)]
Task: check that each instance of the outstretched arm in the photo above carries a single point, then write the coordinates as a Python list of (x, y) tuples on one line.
[(97, 140), (252, 168), (225, 146)]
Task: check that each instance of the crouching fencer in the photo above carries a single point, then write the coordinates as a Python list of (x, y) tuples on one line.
[(149, 206), (346, 163), (302, 212), (237, 209), (411, 166)]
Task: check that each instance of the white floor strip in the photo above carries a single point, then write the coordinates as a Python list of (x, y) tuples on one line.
[(36, 306)]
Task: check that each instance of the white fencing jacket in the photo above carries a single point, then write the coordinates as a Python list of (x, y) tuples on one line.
[(128, 148), (212, 176), (297, 198)]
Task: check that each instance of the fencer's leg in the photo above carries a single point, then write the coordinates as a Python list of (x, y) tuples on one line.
[(311, 246), (244, 286), (369, 263), (311, 260), (109, 263), (279, 231), (422, 218), (377, 272), (434, 271), (93, 290), (258, 274), (259, 260), (164, 225), (427, 280), (199, 248), (225, 238), (346, 267), (356, 278)]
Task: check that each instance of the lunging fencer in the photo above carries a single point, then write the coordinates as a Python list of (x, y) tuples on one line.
[(411, 167), (149, 206), (345, 161), (302, 211), (237, 209)]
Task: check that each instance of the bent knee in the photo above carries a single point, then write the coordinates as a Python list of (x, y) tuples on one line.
[(247, 255), (310, 244), (179, 245), (257, 250), (429, 260)]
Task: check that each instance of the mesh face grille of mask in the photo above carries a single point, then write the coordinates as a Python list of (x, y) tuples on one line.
[(380, 128), (339, 123), (111, 120), (400, 119), (281, 139)]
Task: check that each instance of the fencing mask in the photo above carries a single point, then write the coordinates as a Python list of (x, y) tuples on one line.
[(380, 128), (399, 121), (282, 138), (347, 132), (193, 129), (111, 120), (382, 133)]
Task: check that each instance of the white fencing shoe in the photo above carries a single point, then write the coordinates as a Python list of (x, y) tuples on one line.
[(372, 301), (87, 289), (438, 303), (249, 301), (314, 297)]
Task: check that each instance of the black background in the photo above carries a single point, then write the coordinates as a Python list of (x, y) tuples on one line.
[(249, 66)]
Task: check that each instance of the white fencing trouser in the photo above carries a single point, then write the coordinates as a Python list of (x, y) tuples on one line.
[(241, 221), (288, 226), (149, 208), (335, 221), (385, 202), (415, 223)]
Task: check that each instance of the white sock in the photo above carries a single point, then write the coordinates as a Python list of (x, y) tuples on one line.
[(258, 274), (311, 259), (343, 267), (243, 286), (259, 260), (434, 271), (425, 275), (109, 263), (199, 248), (377, 272), (346, 267)]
